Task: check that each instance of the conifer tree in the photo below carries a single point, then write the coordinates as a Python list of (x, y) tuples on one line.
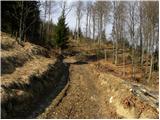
[(61, 32)]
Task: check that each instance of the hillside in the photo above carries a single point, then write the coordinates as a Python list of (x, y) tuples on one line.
[(27, 73), (36, 83)]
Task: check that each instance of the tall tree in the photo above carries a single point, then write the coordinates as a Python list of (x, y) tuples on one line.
[(140, 9), (61, 32), (79, 13), (119, 14), (102, 11), (131, 26), (93, 13), (152, 20), (25, 14)]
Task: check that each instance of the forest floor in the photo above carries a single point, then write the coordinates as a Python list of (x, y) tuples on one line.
[(95, 89)]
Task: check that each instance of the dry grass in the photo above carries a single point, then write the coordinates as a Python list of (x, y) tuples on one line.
[(36, 66), (118, 93), (33, 72), (117, 70)]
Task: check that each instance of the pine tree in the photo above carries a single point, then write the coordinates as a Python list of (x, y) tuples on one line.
[(61, 32)]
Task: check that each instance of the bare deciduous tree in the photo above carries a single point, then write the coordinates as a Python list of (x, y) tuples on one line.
[(79, 13), (102, 12), (152, 20), (131, 27)]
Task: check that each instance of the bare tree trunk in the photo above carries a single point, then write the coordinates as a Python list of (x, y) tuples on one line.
[(133, 64), (49, 19), (93, 18), (105, 53), (152, 57), (116, 57), (21, 24), (141, 38), (151, 65), (89, 27), (115, 45), (113, 58), (123, 59), (79, 29), (44, 32), (75, 34), (87, 23), (101, 27), (147, 54), (142, 56)]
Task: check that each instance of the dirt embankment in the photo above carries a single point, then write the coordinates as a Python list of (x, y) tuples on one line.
[(28, 73), (16, 56)]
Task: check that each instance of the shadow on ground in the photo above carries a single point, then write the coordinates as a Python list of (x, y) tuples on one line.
[(30, 99)]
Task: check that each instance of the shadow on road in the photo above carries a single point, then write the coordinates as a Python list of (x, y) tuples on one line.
[(48, 98)]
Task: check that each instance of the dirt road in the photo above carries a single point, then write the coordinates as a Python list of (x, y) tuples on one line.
[(95, 95), (83, 98)]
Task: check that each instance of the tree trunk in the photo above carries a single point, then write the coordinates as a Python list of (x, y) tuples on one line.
[(151, 52), (21, 24), (133, 64), (141, 39), (45, 15), (123, 59), (78, 35), (147, 54), (42, 30), (101, 27), (93, 18), (105, 54), (116, 57), (113, 52), (142, 56), (89, 27), (87, 24), (151, 65)]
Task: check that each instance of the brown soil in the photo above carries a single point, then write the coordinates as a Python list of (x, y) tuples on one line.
[(84, 97), (93, 94)]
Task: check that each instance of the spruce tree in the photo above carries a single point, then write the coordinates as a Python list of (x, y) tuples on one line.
[(61, 32)]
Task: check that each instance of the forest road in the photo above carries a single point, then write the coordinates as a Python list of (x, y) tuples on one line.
[(84, 98), (92, 94)]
